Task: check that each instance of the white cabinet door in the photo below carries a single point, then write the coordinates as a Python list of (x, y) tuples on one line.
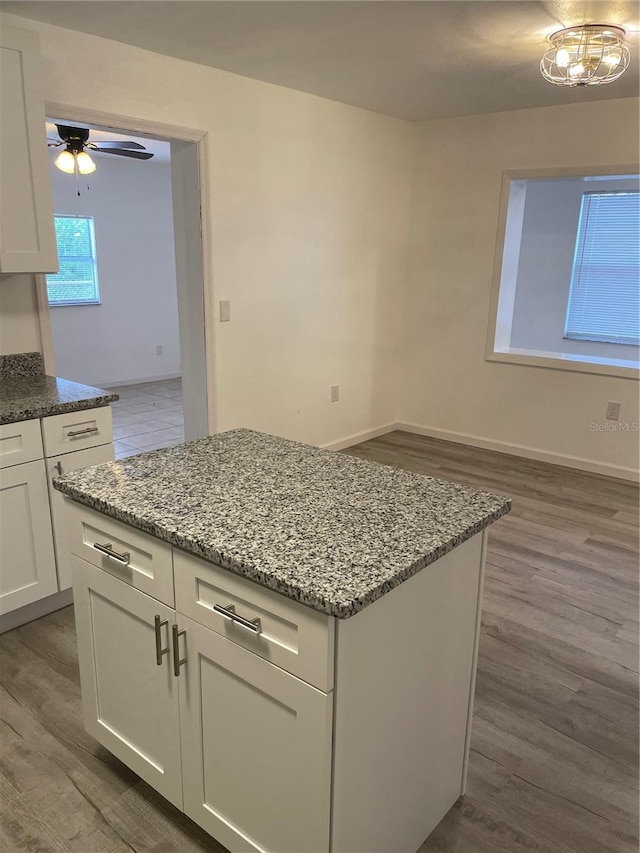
[(130, 702), (27, 562), (27, 235), (256, 748), (56, 466)]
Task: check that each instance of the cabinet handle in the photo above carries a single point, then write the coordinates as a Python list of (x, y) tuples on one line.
[(177, 660), (107, 549), (159, 650), (58, 467), (76, 432), (229, 612)]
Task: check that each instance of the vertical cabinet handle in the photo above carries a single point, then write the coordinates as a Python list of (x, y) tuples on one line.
[(159, 625), (58, 467), (177, 660)]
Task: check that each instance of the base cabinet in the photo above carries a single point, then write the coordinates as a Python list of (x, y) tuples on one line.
[(56, 466), (363, 750), (35, 555), (256, 748), (240, 745), (130, 702), (27, 562)]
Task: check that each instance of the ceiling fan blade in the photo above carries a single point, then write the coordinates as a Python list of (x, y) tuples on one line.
[(116, 143), (121, 152)]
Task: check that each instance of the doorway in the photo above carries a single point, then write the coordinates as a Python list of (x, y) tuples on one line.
[(142, 331)]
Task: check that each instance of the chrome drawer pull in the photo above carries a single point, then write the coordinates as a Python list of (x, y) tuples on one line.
[(107, 549), (229, 612), (76, 432), (159, 650), (177, 660)]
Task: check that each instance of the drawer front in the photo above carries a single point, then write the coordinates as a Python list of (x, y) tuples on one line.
[(77, 430), (134, 557), (56, 466), (290, 635), (20, 442)]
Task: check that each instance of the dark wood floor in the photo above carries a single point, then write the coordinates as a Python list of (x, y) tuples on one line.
[(554, 761)]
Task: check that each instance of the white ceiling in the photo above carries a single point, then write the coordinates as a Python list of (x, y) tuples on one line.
[(416, 59)]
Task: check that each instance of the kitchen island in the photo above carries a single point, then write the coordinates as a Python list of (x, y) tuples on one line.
[(281, 640)]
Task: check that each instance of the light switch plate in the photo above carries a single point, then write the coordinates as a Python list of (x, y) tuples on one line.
[(225, 311)]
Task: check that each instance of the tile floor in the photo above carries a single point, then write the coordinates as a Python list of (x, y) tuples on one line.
[(147, 416)]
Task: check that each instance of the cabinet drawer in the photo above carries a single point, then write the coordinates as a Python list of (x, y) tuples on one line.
[(140, 560), (56, 466), (20, 442), (290, 635), (76, 430)]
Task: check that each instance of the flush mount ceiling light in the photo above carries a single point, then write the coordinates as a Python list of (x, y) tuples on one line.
[(588, 55)]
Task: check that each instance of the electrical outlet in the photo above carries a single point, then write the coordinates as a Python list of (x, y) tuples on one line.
[(225, 311), (159, 349), (335, 393), (613, 411)]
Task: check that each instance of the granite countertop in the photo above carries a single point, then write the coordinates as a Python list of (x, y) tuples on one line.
[(330, 530), (27, 393)]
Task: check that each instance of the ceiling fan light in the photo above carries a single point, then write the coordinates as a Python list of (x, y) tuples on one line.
[(66, 162), (85, 164), (589, 55)]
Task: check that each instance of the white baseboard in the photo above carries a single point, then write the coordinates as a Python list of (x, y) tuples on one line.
[(620, 472), (359, 437), (118, 383)]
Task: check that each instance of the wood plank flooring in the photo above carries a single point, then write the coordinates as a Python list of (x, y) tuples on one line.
[(554, 761)]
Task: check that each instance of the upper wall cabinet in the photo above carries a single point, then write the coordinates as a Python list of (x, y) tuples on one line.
[(27, 235)]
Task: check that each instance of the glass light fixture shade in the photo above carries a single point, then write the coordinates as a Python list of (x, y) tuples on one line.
[(85, 164), (66, 161), (588, 55)]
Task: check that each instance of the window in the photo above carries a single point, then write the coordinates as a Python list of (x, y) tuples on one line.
[(77, 281), (604, 301), (567, 272)]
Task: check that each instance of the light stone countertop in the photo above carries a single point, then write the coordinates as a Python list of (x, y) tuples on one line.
[(26, 393), (326, 529), (23, 398)]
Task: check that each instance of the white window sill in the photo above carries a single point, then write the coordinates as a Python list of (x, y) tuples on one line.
[(567, 361)]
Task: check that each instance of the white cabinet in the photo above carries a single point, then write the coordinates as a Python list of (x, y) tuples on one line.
[(27, 563), (298, 732), (256, 748), (130, 701), (35, 557), (56, 466), (256, 741), (27, 235)]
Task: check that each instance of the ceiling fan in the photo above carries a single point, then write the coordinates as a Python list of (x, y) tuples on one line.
[(76, 141)]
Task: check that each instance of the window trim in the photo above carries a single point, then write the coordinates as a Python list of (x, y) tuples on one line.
[(94, 259), (496, 351)]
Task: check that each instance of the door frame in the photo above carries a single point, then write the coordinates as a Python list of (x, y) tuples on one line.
[(170, 132)]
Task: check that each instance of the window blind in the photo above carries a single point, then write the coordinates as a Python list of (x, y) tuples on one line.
[(77, 281), (604, 298)]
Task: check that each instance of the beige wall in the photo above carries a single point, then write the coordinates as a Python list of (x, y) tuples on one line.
[(19, 331), (448, 384), (310, 205)]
